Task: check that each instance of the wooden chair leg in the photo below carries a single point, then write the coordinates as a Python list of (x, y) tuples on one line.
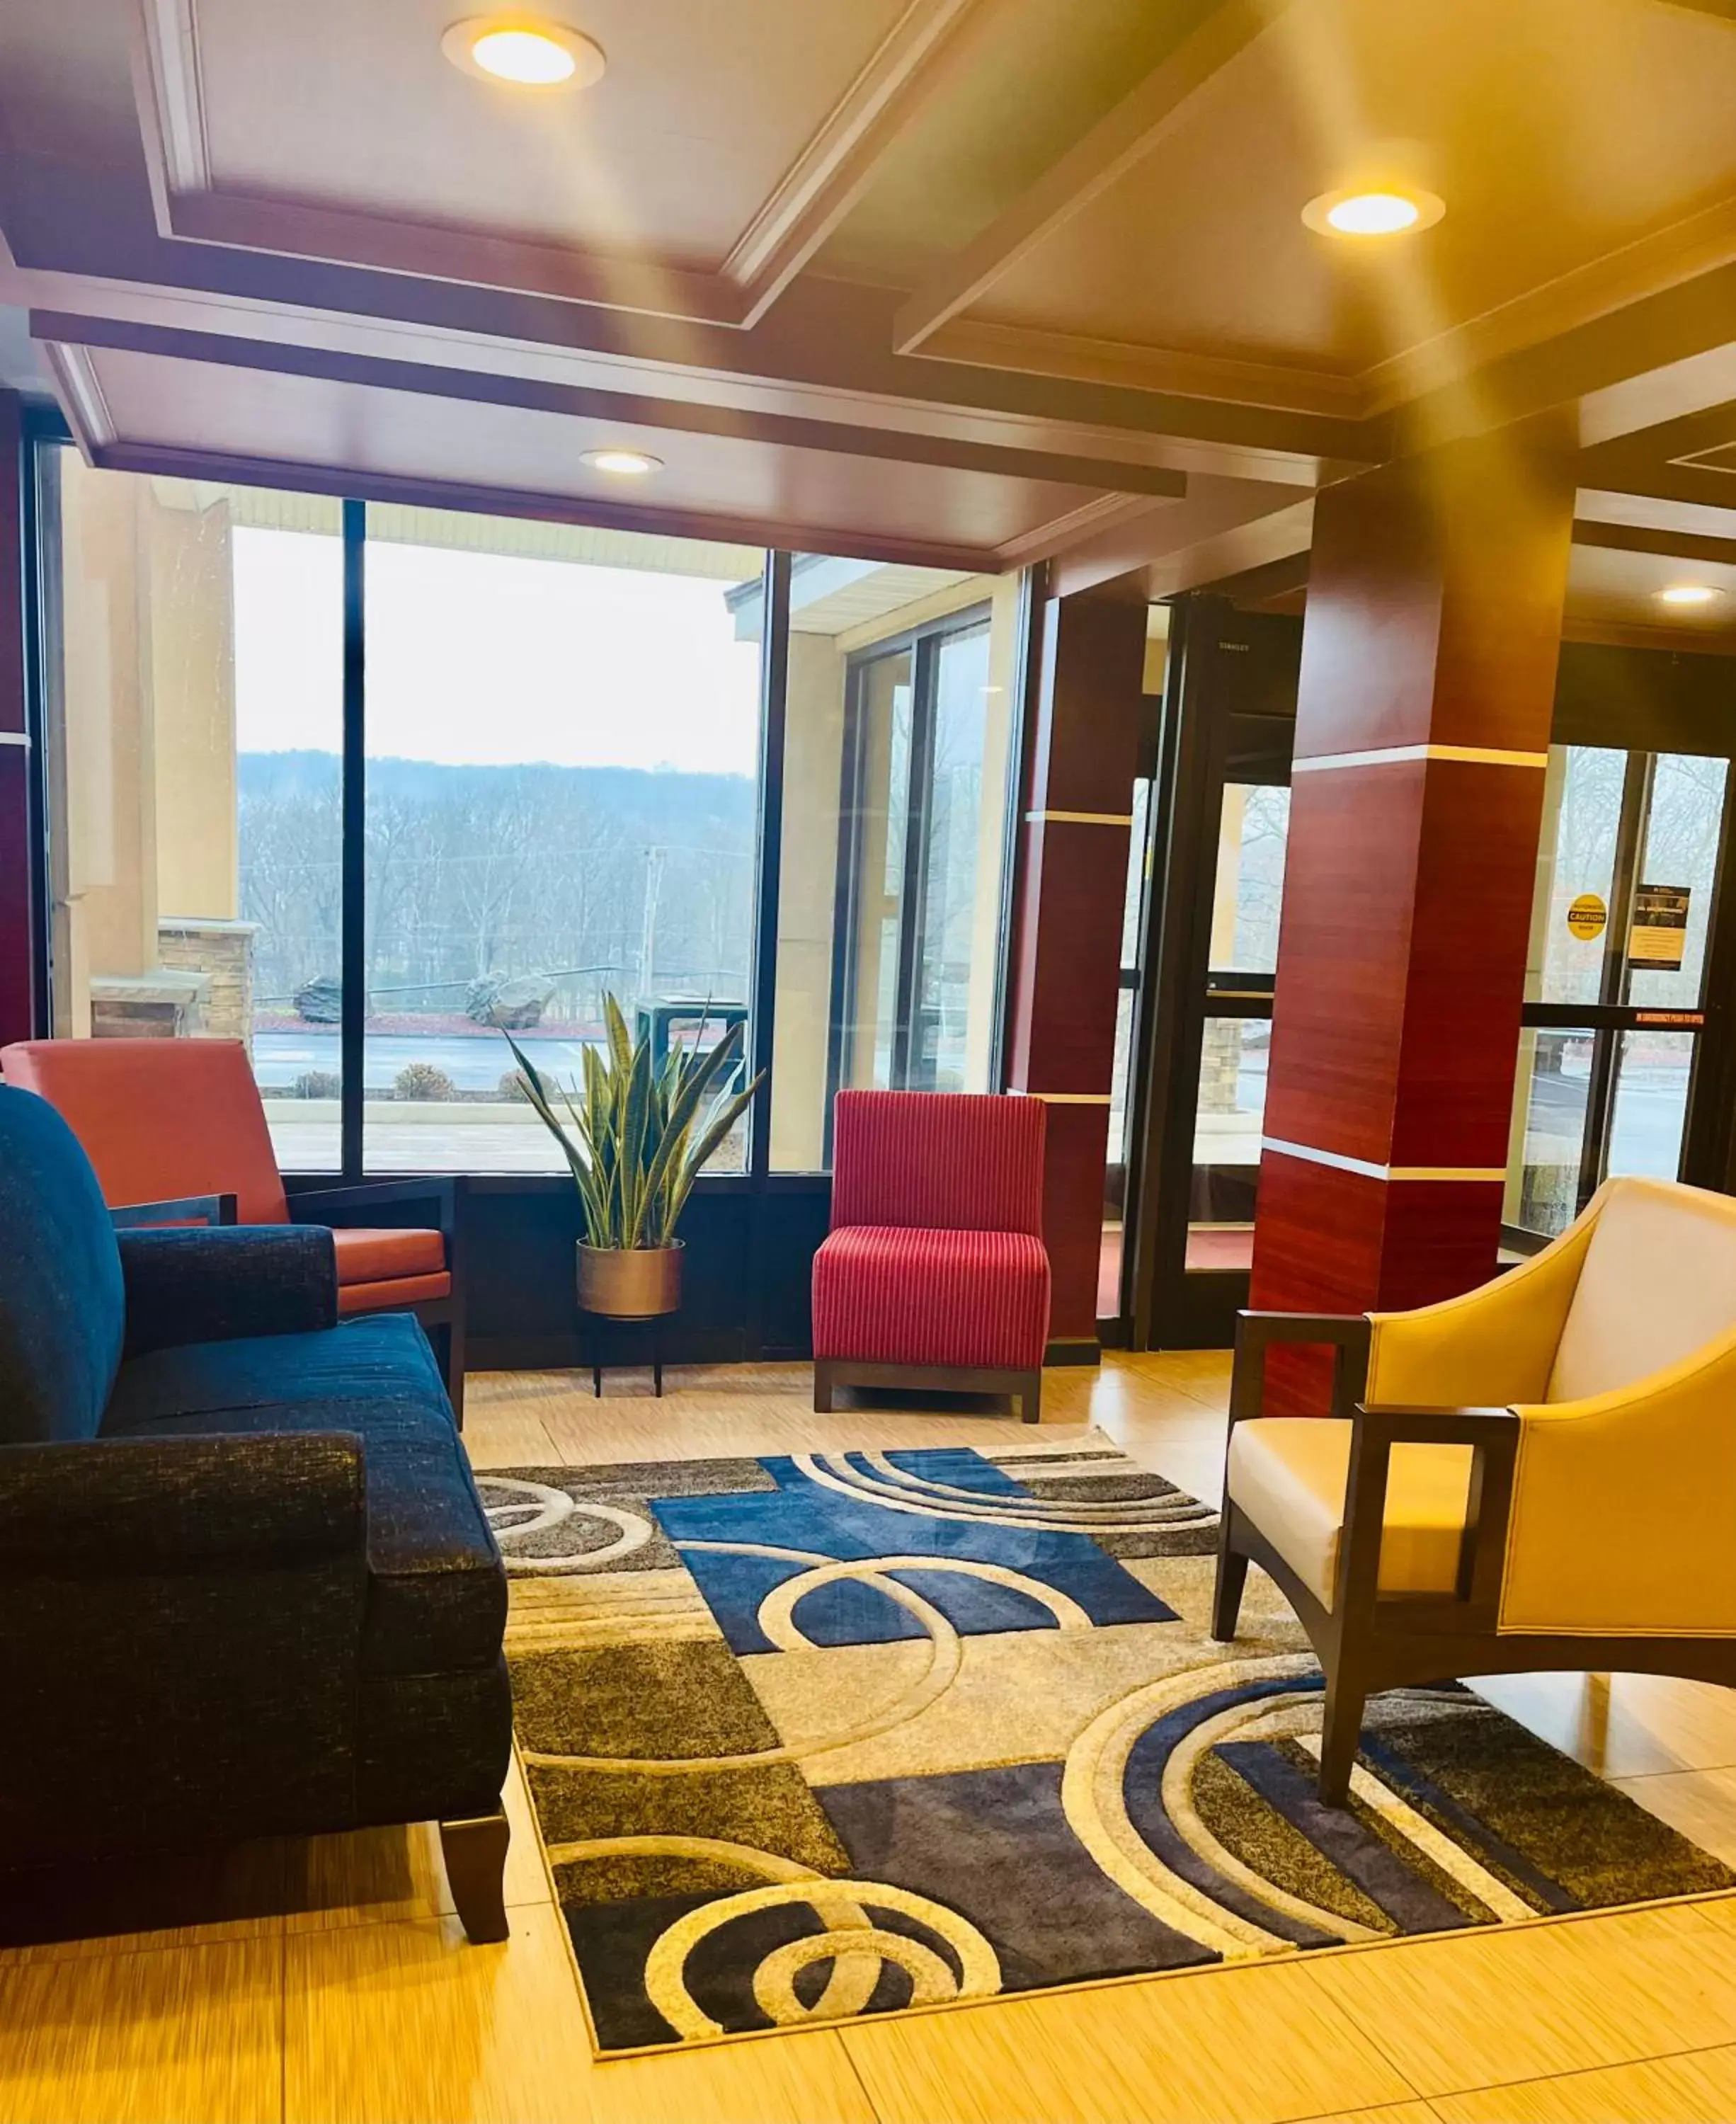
[(1226, 1594), (475, 1852), (823, 1386), (1346, 1696), (1030, 1397)]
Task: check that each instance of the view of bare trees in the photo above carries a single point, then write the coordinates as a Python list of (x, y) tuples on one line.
[(638, 881)]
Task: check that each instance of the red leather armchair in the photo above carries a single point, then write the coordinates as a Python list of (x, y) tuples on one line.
[(935, 1272), (163, 1119)]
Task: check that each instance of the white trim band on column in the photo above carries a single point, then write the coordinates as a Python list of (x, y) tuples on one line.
[(1079, 818), (1370, 1171), (19, 738), (1472, 755), (1062, 1099)]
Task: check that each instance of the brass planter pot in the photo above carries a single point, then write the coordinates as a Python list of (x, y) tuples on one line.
[(630, 1283)]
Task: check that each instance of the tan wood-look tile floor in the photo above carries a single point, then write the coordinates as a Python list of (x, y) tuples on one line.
[(331, 1984)]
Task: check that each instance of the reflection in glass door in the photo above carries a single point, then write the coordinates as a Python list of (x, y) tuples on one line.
[(910, 875), (1614, 995), (1254, 831), (1112, 1252)]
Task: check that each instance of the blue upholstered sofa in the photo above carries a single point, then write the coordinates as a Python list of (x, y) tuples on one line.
[(246, 1587)]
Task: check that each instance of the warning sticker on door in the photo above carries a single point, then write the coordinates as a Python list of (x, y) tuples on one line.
[(1659, 934), (1586, 916)]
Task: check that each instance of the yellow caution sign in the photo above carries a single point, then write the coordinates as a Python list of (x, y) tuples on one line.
[(1587, 917)]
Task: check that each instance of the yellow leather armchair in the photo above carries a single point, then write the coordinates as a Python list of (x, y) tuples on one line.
[(1538, 1475)]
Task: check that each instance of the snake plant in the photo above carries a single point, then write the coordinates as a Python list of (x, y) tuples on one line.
[(637, 1135)]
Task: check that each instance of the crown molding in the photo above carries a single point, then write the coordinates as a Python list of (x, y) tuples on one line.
[(1633, 509), (835, 167), (81, 396), (983, 343), (1259, 543), (845, 384), (937, 319), (1117, 144), (1650, 266), (170, 460), (1043, 542), (830, 173), (1108, 476), (1620, 634)]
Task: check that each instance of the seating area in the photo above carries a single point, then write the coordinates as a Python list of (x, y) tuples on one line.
[(867, 1077), (251, 1591), (165, 1120)]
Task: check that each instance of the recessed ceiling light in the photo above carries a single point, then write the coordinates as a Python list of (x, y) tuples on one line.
[(1688, 593), (1375, 213), (525, 53), (624, 464)]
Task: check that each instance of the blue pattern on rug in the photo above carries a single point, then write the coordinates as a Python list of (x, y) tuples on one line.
[(764, 1805), (803, 1515)]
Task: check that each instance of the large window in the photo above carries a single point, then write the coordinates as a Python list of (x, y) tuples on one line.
[(195, 726), (562, 741), (896, 772), (1615, 988), (560, 735)]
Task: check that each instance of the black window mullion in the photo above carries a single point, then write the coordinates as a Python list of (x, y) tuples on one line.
[(913, 892), (840, 1058), (1599, 1094), (768, 863), (1711, 1106), (767, 878), (352, 921)]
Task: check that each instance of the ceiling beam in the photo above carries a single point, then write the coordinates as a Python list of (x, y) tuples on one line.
[(823, 353), (1102, 475), (168, 460), (1260, 542), (1116, 145), (1281, 578), (1647, 538), (1659, 357), (1168, 541)]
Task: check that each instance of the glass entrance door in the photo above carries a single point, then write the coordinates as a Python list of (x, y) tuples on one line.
[(1614, 1011), (911, 884)]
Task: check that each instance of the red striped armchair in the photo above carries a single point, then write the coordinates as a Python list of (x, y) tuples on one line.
[(935, 1272)]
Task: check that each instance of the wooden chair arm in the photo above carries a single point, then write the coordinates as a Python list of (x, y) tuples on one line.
[(347, 1204), (1347, 1334), (1492, 1435), (184, 1209)]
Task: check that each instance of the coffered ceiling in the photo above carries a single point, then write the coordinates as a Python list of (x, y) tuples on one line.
[(958, 282)]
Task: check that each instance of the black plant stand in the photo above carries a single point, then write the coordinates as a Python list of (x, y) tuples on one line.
[(654, 1323)]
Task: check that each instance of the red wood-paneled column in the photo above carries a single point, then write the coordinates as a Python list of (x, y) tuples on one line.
[(1435, 597), (1065, 960), (16, 858)]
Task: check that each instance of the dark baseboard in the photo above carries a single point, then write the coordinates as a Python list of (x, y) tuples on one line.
[(623, 1349), (1074, 1350), (628, 1347)]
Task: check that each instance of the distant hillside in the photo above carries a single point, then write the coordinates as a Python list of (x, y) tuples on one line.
[(662, 798), (642, 877)]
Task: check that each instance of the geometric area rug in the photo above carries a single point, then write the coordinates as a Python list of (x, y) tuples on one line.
[(818, 1736)]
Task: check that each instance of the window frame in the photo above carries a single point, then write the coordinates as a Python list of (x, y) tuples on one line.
[(922, 645), (1613, 1015), (45, 430)]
